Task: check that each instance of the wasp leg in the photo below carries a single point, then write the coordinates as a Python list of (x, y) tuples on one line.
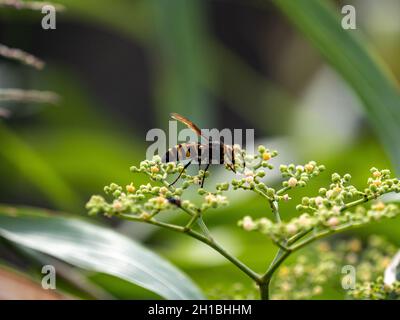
[(210, 158), (184, 168), (204, 175)]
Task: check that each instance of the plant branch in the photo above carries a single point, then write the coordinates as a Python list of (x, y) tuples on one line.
[(282, 191), (358, 202), (284, 251), (279, 258), (323, 234), (19, 95), (298, 236), (31, 5), (195, 217), (208, 241), (275, 210), (21, 56)]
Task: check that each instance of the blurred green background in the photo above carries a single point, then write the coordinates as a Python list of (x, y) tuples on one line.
[(310, 89)]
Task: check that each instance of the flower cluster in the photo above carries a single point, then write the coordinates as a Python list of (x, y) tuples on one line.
[(374, 261), (252, 168), (337, 207), (305, 278), (149, 199), (299, 175), (376, 290), (330, 210), (236, 291)]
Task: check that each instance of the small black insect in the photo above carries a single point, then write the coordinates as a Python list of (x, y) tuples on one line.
[(174, 201)]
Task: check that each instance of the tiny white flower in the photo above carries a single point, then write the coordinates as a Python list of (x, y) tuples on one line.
[(292, 182), (333, 222), (291, 228), (319, 200), (248, 223), (329, 194), (336, 209)]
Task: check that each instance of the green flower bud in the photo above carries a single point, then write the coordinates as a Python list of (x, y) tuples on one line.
[(261, 149), (373, 169), (261, 174), (178, 191), (116, 193), (335, 178), (322, 191), (134, 169), (270, 192), (305, 179), (285, 184), (326, 203), (373, 188)]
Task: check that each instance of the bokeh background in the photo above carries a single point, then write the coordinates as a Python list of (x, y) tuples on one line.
[(122, 66)]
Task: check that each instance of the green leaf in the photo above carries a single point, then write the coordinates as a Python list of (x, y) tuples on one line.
[(350, 55), (95, 248), (35, 169)]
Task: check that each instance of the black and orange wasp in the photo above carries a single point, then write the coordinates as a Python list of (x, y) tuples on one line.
[(216, 152)]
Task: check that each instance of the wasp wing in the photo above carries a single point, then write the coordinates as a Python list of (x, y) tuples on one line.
[(187, 122)]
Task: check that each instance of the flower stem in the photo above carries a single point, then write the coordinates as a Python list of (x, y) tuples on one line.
[(213, 244), (264, 290), (206, 240), (357, 202)]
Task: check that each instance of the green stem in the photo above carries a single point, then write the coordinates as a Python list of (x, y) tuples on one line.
[(196, 217), (208, 241), (323, 234), (193, 220), (264, 290), (283, 190), (275, 209), (264, 286), (284, 252), (298, 236), (280, 256), (213, 244), (278, 260), (357, 202)]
